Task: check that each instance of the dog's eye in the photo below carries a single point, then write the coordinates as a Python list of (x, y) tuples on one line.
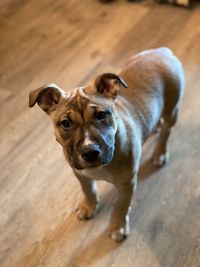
[(101, 115), (66, 124)]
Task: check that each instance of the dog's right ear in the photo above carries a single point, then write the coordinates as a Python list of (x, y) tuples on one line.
[(47, 97), (108, 84)]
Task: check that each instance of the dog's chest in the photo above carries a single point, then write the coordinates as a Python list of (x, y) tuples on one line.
[(99, 173)]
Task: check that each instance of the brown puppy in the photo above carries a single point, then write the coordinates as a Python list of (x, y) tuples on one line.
[(103, 126)]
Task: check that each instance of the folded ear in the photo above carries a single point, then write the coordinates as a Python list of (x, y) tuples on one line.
[(47, 97), (108, 84)]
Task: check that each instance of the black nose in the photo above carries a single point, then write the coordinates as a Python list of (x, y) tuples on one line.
[(90, 153)]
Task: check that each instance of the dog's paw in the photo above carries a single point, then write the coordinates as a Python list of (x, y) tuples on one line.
[(86, 210), (119, 233), (161, 160)]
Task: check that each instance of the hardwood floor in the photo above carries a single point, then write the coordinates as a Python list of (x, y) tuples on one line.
[(69, 42)]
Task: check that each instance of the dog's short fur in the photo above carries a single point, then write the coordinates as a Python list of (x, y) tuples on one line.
[(103, 126)]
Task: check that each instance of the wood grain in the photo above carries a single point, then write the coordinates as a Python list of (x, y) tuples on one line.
[(69, 42)]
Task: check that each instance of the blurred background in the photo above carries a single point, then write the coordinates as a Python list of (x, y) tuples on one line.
[(68, 42)]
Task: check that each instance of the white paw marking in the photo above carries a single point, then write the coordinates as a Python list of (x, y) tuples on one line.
[(161, 160)]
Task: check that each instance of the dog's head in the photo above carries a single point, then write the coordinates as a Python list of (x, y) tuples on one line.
[(84, 119)]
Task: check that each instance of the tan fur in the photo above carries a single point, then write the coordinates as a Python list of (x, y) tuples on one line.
[(105, 121)]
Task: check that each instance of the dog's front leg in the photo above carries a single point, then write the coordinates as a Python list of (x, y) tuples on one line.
[(119, 225), (90, 205)]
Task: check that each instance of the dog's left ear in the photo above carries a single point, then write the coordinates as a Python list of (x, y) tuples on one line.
[(47, 97), (108, 84)]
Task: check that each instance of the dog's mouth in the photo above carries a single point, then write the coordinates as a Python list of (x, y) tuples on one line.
[(91, 167), (81, 164)]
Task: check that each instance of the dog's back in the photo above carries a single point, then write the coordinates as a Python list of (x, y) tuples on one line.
[(156, 81)]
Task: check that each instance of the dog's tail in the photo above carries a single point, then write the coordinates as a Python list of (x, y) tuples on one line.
[(161, 50), (165, 50)]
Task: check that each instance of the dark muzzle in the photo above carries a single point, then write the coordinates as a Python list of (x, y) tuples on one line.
[(90, 153)]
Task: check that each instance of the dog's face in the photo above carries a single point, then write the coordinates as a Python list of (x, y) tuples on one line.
[(84, 119), (85, 127)]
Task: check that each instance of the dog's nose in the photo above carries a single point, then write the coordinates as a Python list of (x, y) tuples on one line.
[(90, 153)]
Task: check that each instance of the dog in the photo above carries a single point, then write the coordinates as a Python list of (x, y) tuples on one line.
[(103, 126)]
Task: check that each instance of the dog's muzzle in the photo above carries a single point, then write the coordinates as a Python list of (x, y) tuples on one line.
[(91, 153)]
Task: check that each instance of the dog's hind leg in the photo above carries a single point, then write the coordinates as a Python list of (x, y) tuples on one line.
[(161, 152)]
